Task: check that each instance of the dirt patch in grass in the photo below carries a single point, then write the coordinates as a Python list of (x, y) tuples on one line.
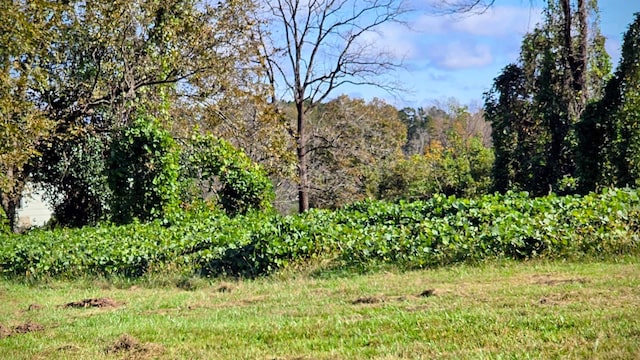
[(34, 307), (559, 299), (551, 280), (68, 348), (231, 304), (20, 329), (381, 299), (131, 348), (428, 293), (90, 303), (5, 331), (368, 300), (125, 343), (27, 328)]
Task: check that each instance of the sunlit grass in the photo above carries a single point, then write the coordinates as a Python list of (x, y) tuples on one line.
[(497, 310)]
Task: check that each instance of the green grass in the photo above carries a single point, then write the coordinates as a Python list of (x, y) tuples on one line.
[(500, 310)]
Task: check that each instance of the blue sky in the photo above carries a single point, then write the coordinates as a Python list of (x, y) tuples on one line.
[(458, 57)]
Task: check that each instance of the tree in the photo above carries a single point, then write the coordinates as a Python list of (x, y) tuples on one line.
[(213, 165), (417, 123), (560, 65), (319, 45), (608, 133), (562, 91), (519, 137), (425, 125), (143, 171), (627, 114), (76, 174), (24, 37), (351, 141), (78, 70), (123, 56), (454, 161)]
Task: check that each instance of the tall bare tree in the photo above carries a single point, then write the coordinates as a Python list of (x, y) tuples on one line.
[(316, 46)]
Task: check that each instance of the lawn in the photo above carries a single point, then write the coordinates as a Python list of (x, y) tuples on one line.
[(495, 310)]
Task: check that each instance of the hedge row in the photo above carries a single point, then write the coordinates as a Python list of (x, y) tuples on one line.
[(436, 232)]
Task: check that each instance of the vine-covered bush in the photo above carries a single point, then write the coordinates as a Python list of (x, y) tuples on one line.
[(240, 184), (75, 178), (143, 172), (440, 231)]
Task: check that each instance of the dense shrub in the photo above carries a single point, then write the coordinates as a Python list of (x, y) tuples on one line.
[(421, 234), (240, 184), (74, 176), (143, 172)]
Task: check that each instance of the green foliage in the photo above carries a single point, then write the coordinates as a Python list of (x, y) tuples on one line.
[(594, 138), (75, 172), (609, 137), (458, 164), (24, 36), (243, 185), (143, 173), (4, 223), (68, 68), (534, 105), (439, 231), (352, 142), (418, 121), (447, 171)]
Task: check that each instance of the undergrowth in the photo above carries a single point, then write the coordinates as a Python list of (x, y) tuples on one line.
[(436, 232)]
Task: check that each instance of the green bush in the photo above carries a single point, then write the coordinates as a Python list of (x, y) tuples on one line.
[(242, 184), (75, 179), (143, 173), (436, 232)]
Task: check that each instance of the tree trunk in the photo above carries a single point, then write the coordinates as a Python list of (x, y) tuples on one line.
[(568, 58), (580, 71), (11, 212), (301, 150), (576, 58), (10, 201)]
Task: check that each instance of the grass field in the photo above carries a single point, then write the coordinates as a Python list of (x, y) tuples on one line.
[(497, 310)]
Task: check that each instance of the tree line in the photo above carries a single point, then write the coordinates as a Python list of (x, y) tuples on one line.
[(132, 110)]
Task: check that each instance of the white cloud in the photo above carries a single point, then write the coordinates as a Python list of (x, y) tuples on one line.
[(497, 21), (458, 55), (393, 38), (500, 21), (472, 41)]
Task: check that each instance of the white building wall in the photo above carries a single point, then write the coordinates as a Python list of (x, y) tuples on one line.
[(33, 211)]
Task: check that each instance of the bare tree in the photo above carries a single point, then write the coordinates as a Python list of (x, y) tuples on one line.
[(316, 46), (460, 6)]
